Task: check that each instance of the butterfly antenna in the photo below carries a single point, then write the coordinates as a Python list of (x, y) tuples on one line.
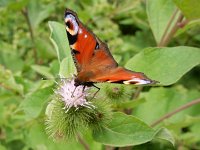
[(44, 78)]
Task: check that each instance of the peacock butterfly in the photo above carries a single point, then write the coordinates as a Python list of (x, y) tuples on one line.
[(92, 58)]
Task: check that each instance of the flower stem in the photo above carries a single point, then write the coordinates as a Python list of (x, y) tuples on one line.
[(134, 96), (86, 146), (170, 114), (7, 87), (25, 13), (109, 147), (137, 92), (167, 37), (168, 27)]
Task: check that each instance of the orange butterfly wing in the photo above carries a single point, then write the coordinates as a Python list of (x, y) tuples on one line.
[(93, 59)]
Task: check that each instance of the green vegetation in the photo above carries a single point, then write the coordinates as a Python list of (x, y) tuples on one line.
[(158, 37)]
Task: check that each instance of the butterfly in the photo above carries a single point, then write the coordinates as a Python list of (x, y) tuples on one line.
[(92, 58)]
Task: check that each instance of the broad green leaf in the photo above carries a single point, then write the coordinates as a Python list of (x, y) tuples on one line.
[(10, 59), (7, 81), (166, 65), (124, 130), (16, 5), (164, 134), (87, 136), (159, 13), (4, 3), (34, 103), (43, 70), (118, 58), (54, 67), (165, 100), (2, 147), (59, 40), (38, 139), (45, 50), (190, 8), (37, 13), (126, 6), (67, 67), (132, 103)]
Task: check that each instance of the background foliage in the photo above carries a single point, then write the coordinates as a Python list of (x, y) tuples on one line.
[(158, 37)]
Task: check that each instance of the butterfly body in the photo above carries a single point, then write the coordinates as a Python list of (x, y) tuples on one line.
[(92, 58)]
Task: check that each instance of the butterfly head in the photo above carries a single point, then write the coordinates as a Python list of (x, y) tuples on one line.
[(71, 22)]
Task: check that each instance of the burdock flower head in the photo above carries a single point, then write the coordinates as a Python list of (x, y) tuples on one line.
[(73, 96), (71, 111)]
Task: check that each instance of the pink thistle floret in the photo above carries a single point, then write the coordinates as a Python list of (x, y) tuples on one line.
[(73, 96)]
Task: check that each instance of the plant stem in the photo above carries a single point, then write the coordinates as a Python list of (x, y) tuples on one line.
[(134, 96), (171, 33), (7, 87), (168, 27), (137, 92), (25, 13), (194, 102), (109, 147), (126, 148), (83, 142)]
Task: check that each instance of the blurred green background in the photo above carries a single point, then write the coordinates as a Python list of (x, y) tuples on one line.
[(27, 54)]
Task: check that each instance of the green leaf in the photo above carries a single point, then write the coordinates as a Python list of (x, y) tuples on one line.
[(118, 58), (124, 130), (164, 134), (67, 67), (43, 70), (87, 137), (38, 139), (11, 59), (16, 5), (54, 67), (190, 8), (7, 81), (2, 147), (45, 50), (132, 103), (59, 40), (37, 13), (166, 100), (166, 65), (159, 13), (126, 6), (34, 103)]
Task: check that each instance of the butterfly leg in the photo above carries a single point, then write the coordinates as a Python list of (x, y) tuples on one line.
[(98, 89), (73, 91), (83, 88)]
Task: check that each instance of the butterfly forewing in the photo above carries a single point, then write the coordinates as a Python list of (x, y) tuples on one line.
[(82, 42), (93, 59)]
